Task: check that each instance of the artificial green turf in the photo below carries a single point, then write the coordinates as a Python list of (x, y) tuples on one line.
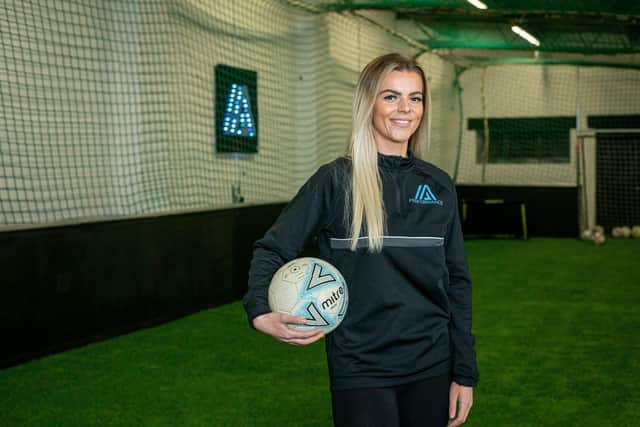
[(556, 322)]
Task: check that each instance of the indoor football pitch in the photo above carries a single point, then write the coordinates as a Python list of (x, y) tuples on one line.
[(557, 323)]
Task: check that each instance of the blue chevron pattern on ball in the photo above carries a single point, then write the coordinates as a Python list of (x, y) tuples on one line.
[(311, 288)]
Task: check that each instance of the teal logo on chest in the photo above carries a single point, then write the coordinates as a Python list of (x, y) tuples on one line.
[(424, 196)]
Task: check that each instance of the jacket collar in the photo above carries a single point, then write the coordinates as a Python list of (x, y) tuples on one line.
[(396, 162)]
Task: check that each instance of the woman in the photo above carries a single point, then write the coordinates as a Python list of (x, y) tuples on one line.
[(404, 353)]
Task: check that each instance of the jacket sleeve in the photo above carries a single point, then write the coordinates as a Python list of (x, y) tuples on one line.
[(301, 220), (465, 371)]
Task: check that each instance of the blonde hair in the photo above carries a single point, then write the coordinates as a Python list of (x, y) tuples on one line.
[(367, 206)]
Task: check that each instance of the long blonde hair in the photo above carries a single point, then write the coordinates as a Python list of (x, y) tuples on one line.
[(367, 206)]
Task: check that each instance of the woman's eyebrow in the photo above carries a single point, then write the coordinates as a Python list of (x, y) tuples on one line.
[(395, 92)]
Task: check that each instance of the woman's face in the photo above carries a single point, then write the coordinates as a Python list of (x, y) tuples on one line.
[(397, 111)]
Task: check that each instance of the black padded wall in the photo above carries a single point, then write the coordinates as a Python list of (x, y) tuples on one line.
[(550, 211), (65, 286)]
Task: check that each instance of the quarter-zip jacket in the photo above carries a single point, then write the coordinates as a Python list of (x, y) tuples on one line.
[(409, 314)]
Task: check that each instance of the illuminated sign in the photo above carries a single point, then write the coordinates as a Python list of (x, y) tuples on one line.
[(236, 110)]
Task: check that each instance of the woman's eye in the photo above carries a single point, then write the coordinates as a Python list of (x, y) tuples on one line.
[(416, 99), (390, 98)]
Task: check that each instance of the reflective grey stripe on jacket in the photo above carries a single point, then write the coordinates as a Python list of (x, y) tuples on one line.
[(390, 241)]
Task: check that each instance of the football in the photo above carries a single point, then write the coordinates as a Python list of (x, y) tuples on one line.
[(625, 231), (310, 288), (599, 238), (586, 234)]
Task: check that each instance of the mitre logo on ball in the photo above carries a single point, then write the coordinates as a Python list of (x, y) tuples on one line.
[(310, 288)]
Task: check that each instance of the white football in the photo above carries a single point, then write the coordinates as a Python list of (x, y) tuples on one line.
[(625, 231), (311, 288)]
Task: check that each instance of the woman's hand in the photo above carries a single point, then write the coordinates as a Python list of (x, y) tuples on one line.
[(460, 401), (276, 325)]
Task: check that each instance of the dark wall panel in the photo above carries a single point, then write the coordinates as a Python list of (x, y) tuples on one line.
[(551, 211), (65, 286)]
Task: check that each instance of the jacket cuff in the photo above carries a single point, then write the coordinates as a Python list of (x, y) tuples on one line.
[(465, 381), (253, 312)]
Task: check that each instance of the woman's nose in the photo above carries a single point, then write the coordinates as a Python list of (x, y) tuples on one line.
[(403, 105)]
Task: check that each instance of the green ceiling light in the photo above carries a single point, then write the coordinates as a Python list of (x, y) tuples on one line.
[(528, 37), (478, 4)]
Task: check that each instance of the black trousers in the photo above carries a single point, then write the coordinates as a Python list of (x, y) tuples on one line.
[(423, 403)]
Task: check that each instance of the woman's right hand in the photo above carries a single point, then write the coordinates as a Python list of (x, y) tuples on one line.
[(276, 325)]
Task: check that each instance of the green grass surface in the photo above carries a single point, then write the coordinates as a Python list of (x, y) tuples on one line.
[(557, 323)]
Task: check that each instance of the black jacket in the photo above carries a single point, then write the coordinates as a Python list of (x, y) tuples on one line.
[(409, 314)]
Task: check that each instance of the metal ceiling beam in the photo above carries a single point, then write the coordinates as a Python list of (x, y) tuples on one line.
[(581, 7), (565, 26), (574, 20), (586, 43), (601, 35)]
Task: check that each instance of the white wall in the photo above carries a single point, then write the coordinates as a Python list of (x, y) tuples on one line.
[(65, 128), (445, 112), (107, 108), (515, 91)]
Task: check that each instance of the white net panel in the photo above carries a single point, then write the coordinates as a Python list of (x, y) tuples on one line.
[(107, 109)]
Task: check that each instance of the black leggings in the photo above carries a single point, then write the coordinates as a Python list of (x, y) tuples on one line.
[(423, 403)]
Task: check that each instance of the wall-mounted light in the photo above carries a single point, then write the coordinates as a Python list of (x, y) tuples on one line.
[(478, 4), (525, 35)]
